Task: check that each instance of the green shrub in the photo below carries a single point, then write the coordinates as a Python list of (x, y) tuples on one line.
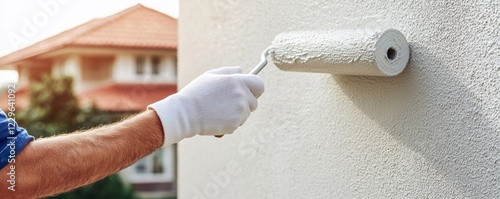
[(107, 188)]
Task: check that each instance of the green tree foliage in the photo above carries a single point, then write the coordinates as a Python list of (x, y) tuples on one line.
[(107, 188), (53, 110)]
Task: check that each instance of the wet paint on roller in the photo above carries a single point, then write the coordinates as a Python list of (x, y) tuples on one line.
[(350, 52)]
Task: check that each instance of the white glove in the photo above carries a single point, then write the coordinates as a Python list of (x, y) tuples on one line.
[(215, 103)]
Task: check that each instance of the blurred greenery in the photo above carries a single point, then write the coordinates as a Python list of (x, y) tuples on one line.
[(54, 110), (109, 188)]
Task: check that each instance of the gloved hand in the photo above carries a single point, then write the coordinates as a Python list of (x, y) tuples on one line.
[(215, 103)]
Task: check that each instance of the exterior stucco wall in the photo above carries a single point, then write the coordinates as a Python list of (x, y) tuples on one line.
[(431, 132)]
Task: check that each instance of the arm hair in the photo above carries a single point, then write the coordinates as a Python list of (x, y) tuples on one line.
[(54, 165)]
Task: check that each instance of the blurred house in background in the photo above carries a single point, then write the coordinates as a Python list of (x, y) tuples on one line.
[(120, 64)]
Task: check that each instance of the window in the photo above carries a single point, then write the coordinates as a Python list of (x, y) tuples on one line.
[(159, 166), (153, 164), (175, 66), (155, 64), (139, 65), (140, 166)]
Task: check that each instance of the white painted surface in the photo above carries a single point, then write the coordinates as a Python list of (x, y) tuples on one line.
[(23, 80), (72, 67), (58, 67), (8, 77), (431, 132)]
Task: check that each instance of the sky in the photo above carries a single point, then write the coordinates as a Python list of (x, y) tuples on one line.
[(26, 22)]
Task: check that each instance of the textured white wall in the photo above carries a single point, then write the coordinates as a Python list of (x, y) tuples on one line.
[(431, 132)]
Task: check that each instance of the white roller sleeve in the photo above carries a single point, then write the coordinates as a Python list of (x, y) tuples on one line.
[(349, 52), (215, 103)]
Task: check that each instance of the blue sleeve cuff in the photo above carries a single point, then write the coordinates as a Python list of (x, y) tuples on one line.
[(13, 139)]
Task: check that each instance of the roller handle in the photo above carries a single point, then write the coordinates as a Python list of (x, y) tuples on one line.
[(263, 62), (257, 69)]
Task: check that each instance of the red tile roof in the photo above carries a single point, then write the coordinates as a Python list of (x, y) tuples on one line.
[(136, 27), (126, 97)]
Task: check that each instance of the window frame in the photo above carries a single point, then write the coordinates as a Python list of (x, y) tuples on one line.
[(155, 65), (168, 174), (140, 65)]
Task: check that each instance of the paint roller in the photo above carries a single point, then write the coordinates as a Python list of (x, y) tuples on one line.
[(344, 52)]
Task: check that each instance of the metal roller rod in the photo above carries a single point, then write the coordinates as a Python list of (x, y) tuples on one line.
[(263, 62)]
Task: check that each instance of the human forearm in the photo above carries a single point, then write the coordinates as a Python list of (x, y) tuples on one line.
[(215, 103), (57, 164)]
